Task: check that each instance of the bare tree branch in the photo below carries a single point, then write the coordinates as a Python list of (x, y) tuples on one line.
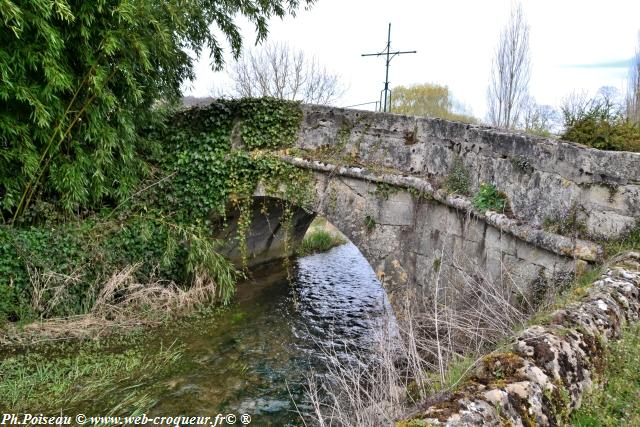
[(536, 119), (510, 72), (633, 93), (279, 71)]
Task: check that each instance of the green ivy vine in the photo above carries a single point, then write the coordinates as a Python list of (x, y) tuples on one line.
[(206, 161)]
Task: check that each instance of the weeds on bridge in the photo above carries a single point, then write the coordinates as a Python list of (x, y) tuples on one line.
[(370, 223), (489, 197), (570, 222), (458, 181), (385, 190), (630, 241)]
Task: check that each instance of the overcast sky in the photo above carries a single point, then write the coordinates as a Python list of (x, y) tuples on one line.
[(575, 45)]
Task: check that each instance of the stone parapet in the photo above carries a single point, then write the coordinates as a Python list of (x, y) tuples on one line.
[(545, 179), (550, 367)]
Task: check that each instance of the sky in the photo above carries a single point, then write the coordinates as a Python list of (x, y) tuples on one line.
[(575, 45)]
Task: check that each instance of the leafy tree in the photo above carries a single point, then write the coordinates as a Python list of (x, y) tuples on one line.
[(81, 79), (428, 100)]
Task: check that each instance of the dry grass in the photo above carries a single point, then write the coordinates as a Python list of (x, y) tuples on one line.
[(50, 290), (120, 304), (123, 298), (80, 327), (424, 352), (360, 389)]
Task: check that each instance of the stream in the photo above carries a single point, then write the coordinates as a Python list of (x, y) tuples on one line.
[(255, 357)]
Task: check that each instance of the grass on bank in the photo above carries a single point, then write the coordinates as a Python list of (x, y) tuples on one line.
[(318, 241), (320, 237), (615, 403), (84, 375), (122, 304), (140, 260)]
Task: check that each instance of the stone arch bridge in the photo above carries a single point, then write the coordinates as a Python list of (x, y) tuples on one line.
[(380, 179)]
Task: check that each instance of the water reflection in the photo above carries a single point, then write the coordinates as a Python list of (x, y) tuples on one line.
[(259, 354)]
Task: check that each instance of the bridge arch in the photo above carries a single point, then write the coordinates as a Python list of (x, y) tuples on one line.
[(389, 203), (410, 240)]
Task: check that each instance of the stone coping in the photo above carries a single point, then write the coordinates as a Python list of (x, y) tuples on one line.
[(550, 367), (594, 163), (558, 244)]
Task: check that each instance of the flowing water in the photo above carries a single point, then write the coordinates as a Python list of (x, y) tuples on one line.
[(255, 357)]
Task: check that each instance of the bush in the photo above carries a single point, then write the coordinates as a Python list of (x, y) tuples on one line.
[(600, 123), (58, 271), (54, 264), (81, 80)]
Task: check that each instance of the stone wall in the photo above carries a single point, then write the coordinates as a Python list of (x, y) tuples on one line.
[(414, 236), (550, 367), (543, 178)]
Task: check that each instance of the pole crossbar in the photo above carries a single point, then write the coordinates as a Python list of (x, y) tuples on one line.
[(391, 53), (389, 56)]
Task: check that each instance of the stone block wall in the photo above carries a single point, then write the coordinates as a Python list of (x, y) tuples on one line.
[(544, 179), (415, 238), (412, 242)]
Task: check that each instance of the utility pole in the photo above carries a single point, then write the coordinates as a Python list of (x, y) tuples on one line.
[(389, 56)]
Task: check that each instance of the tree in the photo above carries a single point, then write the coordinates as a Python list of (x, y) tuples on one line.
[(510, 72), (537, 119), (578, 104), (81, 79), (428, 100), (633, 93), (279, 71)]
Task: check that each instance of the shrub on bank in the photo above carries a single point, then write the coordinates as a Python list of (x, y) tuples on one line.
[(600, 123), (60, 270)]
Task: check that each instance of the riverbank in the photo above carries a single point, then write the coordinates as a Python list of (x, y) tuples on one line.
[(123, 302), (81, 375), (93, 362), (616, 399), (90, 365), (253, 357)]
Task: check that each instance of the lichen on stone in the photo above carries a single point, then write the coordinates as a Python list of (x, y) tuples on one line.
[(550, 367)]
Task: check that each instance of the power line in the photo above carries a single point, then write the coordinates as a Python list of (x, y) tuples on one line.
[(389, 56)]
